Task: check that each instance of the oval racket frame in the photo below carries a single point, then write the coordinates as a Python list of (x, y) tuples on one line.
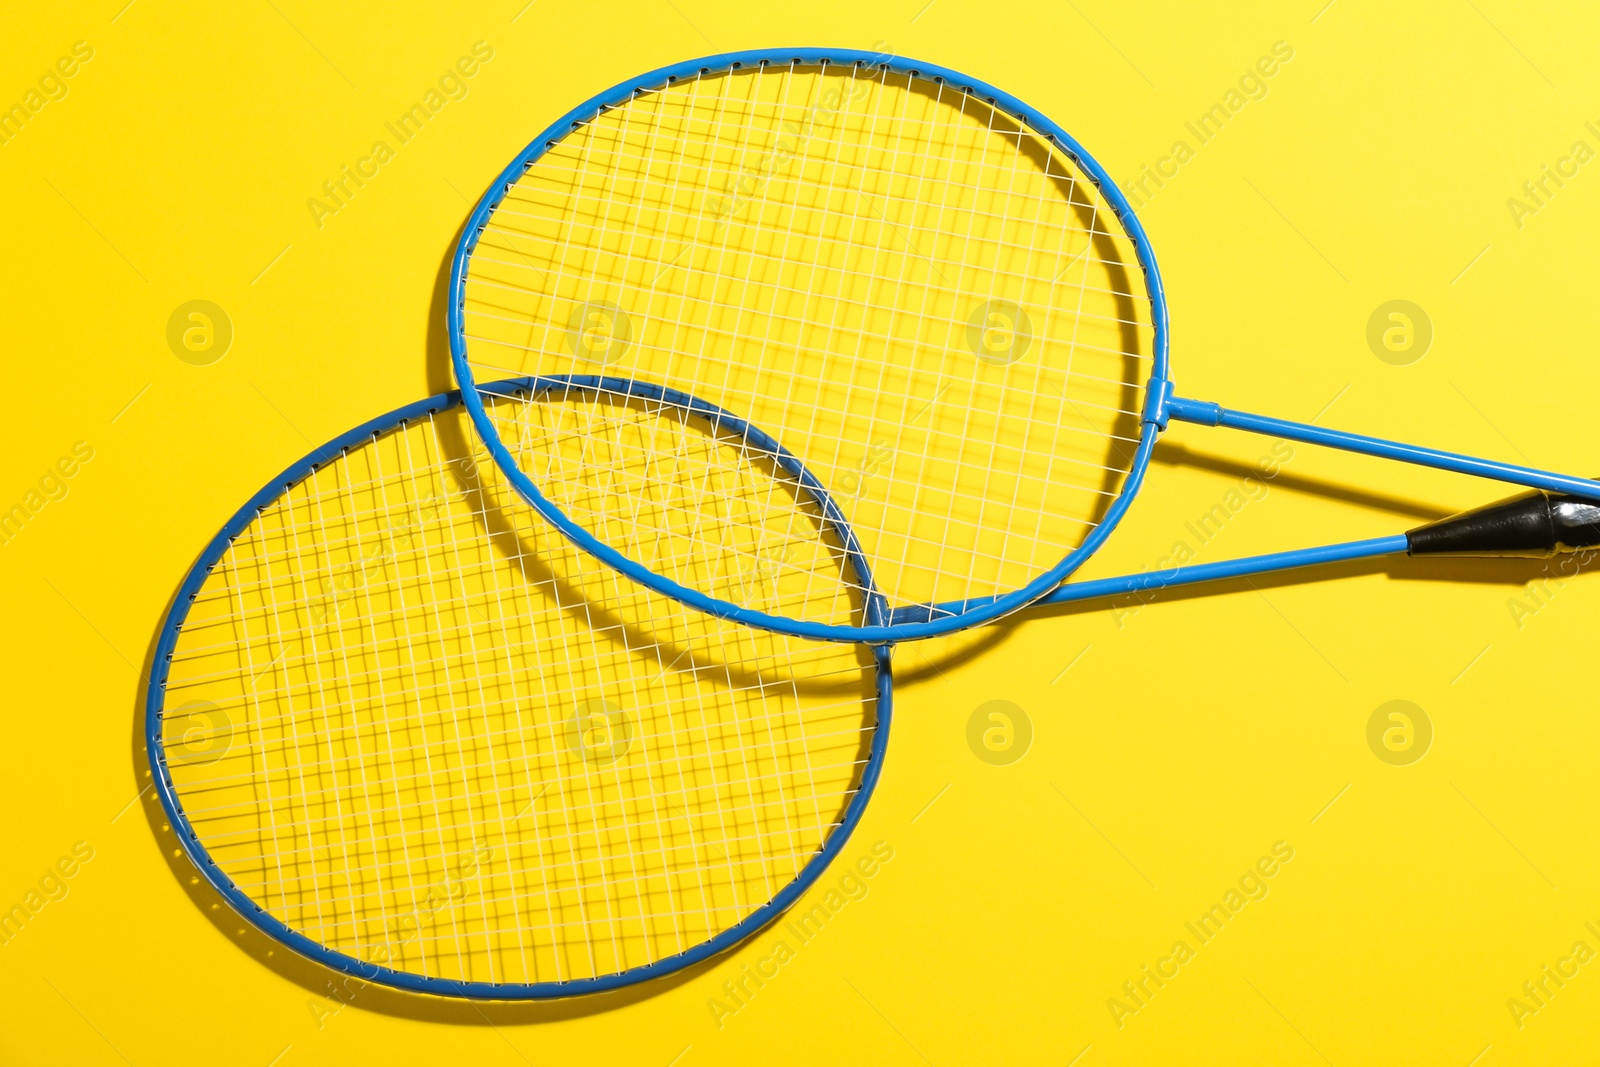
[(257, 916), (986, 610)]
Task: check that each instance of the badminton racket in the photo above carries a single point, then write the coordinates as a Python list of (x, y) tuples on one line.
[(920, 287), (423, 740)]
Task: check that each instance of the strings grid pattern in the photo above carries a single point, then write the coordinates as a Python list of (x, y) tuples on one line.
[(923, 299), (417, 727)]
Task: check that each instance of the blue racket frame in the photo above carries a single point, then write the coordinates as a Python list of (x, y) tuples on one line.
[(913, 622), (875, 608)]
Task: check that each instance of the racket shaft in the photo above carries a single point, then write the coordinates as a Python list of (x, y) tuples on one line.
[(1207, 414), (1229, 568)]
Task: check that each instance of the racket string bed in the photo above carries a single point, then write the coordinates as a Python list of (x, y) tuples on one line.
[(411, 724)]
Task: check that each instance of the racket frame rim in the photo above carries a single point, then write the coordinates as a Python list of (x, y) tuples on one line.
[(987, 609), (253, 913)]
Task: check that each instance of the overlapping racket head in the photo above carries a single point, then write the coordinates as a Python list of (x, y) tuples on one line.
[(410, 731), (927, 296)]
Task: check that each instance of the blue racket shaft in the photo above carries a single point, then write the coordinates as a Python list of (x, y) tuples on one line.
[(1204, 413)]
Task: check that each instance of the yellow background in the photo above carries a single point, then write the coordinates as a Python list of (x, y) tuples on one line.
[(1184, 740)]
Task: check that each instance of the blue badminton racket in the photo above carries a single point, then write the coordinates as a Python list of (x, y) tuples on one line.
[(410, 733), (924, 289)]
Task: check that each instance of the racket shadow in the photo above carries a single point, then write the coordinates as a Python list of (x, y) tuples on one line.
[(1175, 454)]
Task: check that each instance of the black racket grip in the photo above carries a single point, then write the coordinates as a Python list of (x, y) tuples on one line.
[(1535, 525)]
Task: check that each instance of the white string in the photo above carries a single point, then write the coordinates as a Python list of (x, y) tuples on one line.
[(225, 812)]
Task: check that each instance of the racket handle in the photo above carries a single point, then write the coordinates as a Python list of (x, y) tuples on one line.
[(1534, 525)]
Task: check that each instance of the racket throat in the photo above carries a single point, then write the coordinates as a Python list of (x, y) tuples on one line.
[(1158, 400)]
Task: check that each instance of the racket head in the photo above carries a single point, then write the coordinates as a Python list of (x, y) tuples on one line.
[(1139, 414), (214, 681)]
